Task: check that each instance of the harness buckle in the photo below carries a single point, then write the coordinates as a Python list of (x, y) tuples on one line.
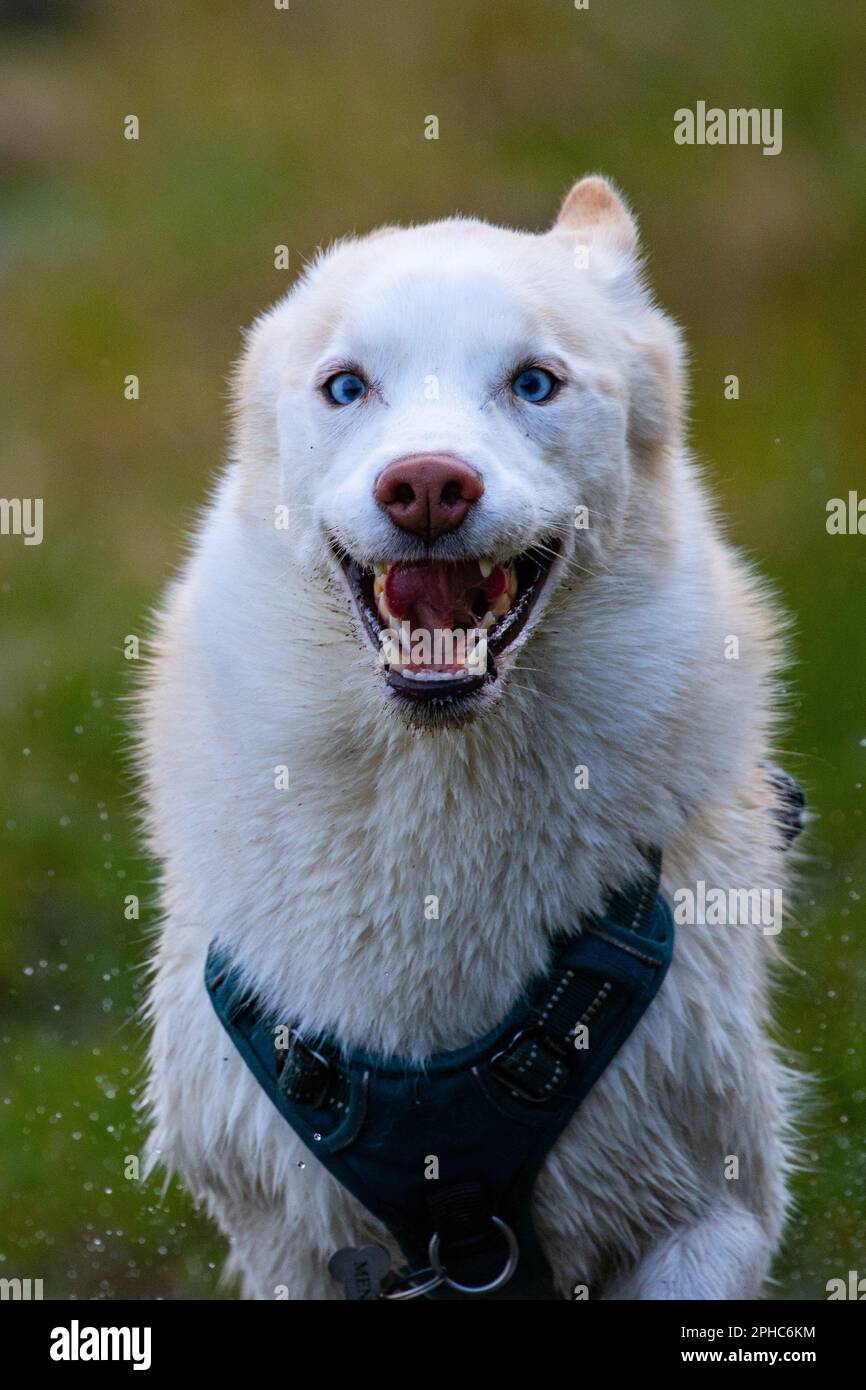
[(303, 1074), (532, 1065)]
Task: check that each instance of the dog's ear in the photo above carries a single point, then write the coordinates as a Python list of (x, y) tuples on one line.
[(594, 211), (603, 237)]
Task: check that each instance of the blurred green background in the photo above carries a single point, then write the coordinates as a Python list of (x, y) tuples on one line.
[(260, 127)]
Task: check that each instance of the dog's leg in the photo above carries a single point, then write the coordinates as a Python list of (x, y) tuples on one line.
[(281, 1251), (724, 1255), (273, 1265)]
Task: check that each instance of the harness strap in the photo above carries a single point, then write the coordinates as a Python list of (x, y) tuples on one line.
[(446, 1153)]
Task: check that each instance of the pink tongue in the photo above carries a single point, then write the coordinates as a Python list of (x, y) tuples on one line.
[(443, 596)]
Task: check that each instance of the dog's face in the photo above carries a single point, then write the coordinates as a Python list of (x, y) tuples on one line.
[(454, 414)]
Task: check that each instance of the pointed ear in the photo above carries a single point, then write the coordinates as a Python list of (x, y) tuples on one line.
[(594, 209)]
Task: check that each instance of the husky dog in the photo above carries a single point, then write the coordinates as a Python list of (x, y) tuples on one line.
[(447, 429)]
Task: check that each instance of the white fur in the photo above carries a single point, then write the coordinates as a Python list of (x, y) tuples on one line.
[(319, 891)]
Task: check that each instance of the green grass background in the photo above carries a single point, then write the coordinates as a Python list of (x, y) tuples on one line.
[(261, 127)]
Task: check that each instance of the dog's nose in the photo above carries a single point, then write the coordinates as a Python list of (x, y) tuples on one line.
[(428, 493)]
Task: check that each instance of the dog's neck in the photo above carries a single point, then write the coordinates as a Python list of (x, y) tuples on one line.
[(404, 886)]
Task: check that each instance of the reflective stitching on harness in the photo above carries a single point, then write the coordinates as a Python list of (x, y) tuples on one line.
[(630, 950), (596, 1004), (556, 995), (639, 910)]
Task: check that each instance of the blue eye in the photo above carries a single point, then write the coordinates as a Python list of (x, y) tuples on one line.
[(534, 385), (345, 387)]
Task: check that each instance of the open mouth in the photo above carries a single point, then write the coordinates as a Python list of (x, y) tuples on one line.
[(440, 625)]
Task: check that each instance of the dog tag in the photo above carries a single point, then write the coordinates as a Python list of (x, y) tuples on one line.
[(361, 1272)]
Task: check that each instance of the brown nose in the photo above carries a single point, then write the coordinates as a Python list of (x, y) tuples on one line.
[(428, 493)]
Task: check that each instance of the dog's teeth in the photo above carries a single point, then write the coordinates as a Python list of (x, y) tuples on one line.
[(486, 568), (489, 619), (378, 585), (433, 673), (511, 584), (502, 604), (380, 570)]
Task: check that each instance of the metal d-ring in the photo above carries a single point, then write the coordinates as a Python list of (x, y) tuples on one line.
[(502, 1278), (411, 1290)]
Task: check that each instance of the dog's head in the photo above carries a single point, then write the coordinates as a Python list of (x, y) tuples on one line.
[(453, 422)]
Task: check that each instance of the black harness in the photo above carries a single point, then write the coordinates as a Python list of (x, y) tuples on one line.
[(445, 1153)]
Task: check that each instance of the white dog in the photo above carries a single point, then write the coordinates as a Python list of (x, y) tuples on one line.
[(446, 429)]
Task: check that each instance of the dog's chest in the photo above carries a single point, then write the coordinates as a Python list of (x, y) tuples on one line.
[(417, 957), (426, 942)]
